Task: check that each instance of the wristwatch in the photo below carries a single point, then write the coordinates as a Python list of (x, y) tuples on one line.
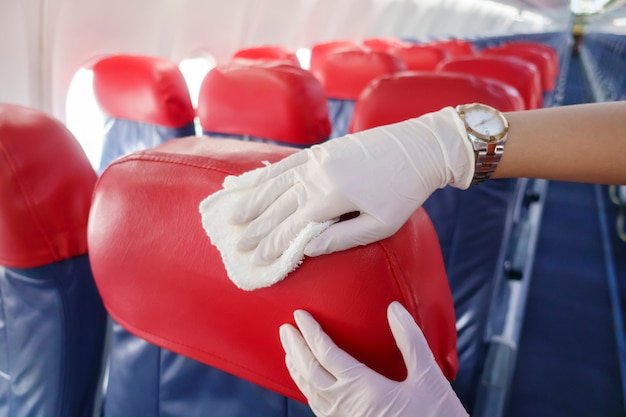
[(487, 130)]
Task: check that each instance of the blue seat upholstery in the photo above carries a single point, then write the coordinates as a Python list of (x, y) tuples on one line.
[(52, 320)]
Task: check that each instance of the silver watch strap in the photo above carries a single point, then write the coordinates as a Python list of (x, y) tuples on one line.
[(486, 162)]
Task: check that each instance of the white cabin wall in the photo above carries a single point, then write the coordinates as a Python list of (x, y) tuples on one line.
[(20, 52), (45, 42)]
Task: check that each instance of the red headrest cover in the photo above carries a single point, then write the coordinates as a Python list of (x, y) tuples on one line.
[(320, 50), (46, 182), (382, 44), (420, 57), (278, 102), (541, 59), (519, 73), (456, 47), (411, 94), (267, 53), (143, 89), (346, 72), (162, 279)]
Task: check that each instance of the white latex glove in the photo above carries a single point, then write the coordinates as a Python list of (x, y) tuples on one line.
[(337, 385), (384, 173)]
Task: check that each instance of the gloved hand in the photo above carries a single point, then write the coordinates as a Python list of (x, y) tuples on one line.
[(384, 173), (337, 385)]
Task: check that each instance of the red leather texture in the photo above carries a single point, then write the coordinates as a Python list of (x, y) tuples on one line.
[(46, 182), (320, 50), (162, 279), (540, 58), (418, 57), (346, 72), (267, 53), (521, 74), (278, 102), (456, 47), (144, 89), (396, 97), (382, 44)]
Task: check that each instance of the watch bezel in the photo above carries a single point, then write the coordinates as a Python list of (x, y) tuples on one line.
[(463, 109)]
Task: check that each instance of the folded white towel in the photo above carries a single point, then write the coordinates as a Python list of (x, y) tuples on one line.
[(216, 209)]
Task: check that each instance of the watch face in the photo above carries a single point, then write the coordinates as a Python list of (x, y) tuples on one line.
[(485, 121)]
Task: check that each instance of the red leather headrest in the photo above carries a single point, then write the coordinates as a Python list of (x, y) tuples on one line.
[(162, 279), (46, 182), (554, 57), (420, 57), (411, 94), (382, 44), (278, 102), (541, 59), (143, 89), (320, 50), (521, 74), (456, 47), (346, 72), (267, 53)]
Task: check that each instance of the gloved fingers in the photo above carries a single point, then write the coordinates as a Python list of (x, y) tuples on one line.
[(303, 366), (333, 359), (268, 221), (316, 399), (361, 230), (256, 200), (259, 175), (410, 340)]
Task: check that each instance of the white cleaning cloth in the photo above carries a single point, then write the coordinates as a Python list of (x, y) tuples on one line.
[(215, 211)]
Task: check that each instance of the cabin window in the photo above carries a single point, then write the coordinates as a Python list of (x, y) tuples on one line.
[(194, 70), (304, 56), (83, 116)]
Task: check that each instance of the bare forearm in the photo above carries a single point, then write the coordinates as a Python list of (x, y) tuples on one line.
[(583, 143)]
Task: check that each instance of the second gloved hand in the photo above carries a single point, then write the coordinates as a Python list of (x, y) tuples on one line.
[(384, 174), (337, 385)]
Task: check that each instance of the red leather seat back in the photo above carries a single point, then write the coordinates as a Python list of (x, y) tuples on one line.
[(418, 57), (410, 94), (277, 102), (522, 75), (344, 73), (46, 182), (272, 53), (162, 279)]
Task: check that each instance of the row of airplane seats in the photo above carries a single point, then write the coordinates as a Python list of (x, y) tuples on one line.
[(242, 101), (148, 104)]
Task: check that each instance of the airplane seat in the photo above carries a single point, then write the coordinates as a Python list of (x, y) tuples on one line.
[(419, 92), (279, 104), (321, 49), (266, 53), (164, 281), (479, 217), (344, 73), (547, 49), (145, 100), (456, 47), (382, 44), (420, 57), (52, 318), (540, 58), (522, 75)]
